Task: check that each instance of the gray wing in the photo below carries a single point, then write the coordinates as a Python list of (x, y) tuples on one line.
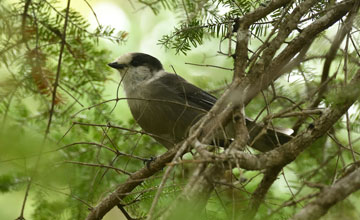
[(178, 118), (186, 92), (197, 97)]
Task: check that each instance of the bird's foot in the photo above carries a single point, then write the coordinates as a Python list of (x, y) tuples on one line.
[(148, 161)]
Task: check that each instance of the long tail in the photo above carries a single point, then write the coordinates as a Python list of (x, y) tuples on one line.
[(266, 139)]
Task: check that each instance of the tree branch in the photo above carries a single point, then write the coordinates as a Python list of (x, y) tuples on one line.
[(259, 194), (329, 197), (262, 81), (114, 198), (288, 152)]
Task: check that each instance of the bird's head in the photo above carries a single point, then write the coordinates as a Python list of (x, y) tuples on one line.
[(139, 66)]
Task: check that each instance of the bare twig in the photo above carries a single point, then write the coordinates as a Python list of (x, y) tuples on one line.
[(99, 165), (134, 180), (208, 65)]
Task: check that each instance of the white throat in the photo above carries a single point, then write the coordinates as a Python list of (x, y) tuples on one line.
[(133, 78)]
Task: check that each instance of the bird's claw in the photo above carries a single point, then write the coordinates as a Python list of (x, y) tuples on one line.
[(148, 161)]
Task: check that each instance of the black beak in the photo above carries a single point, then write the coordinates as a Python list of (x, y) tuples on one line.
[(116, 65)]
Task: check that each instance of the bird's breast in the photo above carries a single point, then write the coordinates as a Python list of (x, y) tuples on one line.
[(166, 118)]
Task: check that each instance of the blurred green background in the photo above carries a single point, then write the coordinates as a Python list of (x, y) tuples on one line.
[(59, 185)]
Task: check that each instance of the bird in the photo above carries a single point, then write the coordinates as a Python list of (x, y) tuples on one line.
[(165, 105)]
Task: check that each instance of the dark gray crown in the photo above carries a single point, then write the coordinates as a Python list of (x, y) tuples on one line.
[(142, 59)]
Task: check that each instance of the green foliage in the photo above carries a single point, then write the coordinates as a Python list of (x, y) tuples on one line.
[(64, 182), (6, 183), (29, 55), (203, 19)]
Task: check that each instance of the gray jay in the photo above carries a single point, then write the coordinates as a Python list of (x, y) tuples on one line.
[(166, 105)]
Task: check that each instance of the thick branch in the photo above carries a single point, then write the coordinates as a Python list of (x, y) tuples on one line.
[(133, 181), (330, 56), (261, 12), (196, 193), (273, 160), (307, 35), (330, 196), (290, 23), (288, 152), (258, 196)]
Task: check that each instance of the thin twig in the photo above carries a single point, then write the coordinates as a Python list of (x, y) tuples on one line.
[(73, 97), (209, 65), (99, 165)]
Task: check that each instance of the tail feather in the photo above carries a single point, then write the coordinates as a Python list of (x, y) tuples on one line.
[(261, 138), (266, 139)]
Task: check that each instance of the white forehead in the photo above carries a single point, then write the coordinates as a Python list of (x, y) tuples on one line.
[(124, 59)]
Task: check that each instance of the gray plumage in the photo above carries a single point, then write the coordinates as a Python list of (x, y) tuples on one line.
[(166, 105)]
